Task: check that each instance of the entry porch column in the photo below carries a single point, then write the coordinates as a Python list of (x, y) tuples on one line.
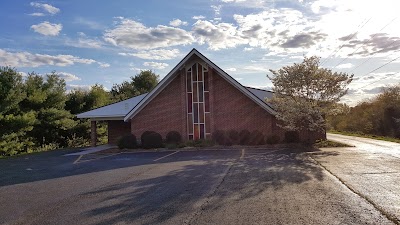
[(93, 133)]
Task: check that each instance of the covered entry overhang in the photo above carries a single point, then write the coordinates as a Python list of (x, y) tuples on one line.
[(113, 112)]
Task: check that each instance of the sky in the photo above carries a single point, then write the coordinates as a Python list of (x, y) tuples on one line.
[(107, 42)]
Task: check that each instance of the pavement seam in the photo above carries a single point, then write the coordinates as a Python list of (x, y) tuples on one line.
[(388, 216), (207, 200)]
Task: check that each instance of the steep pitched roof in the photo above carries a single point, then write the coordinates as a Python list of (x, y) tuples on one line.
[(171, 75), (113, 111)]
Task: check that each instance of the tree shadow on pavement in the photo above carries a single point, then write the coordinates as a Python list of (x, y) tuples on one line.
[(173, 197)]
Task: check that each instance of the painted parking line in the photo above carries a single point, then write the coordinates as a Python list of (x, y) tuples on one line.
[(242, 155), (78, 160), (165, 156)]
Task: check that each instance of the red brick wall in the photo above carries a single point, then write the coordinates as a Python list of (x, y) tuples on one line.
[(230, 109), (117, 129), (233, 110), (164, 113)]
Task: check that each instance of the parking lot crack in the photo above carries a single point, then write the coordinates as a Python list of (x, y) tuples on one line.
[(211, 193)]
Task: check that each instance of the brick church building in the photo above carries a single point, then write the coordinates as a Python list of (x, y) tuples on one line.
[(196, 98)]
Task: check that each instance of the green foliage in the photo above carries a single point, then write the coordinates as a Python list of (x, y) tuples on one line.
[(199, 143), (127, 141), (173, 137), (76, 141), (272, 139), (151, 139), (306, 93), (141, 83), (379, 116), (329, 144)]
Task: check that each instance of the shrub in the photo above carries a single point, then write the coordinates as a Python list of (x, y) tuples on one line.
[(127, 141), (234, 137), (173, 137), (292, 137), (200, 143), (272, 139), (244, 137), (256, 138), (144, 135), (151, 140), (219, 137)]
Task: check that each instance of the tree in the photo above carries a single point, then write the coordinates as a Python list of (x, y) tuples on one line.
[(13, 122), (306, 93), (141, 83), (46, 99)]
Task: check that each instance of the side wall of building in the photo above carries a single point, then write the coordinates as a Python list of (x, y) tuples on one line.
[(166, 112), (117, 129)]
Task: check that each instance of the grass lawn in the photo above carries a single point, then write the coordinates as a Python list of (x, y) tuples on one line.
[(383, 138), (330, 144)]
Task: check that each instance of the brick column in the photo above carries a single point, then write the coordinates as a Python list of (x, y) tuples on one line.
[(93, 133)]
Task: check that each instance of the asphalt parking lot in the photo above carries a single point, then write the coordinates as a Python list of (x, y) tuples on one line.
[(243, 186)]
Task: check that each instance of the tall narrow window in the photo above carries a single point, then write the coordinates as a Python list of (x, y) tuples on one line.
[(198, 109)]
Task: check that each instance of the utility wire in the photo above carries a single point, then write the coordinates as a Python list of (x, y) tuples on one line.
[(378, 80), (382, 66), (372, 37), (347, 39)]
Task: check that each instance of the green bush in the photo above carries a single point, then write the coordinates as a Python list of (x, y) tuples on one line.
[(234, 137), (244, 137), (144, 135), (128, 141), (173, 137), (272, 139), (200, 143), (219, 137), (151, 139), (256, 138), (292, 137)]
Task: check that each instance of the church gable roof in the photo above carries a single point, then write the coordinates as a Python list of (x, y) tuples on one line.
[(256, 95)]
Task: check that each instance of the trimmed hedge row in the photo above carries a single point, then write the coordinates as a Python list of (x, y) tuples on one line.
[(152, 139)]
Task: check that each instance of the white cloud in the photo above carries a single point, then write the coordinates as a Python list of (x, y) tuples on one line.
[(156, 65), (217, 36), (89, 23), (217, 9), (177, 23), (84, 42), (46, 7), (345, 66), (78, 87), (131, 34), (68, 76), (26, 59), (46, 28), (36, 14), (23, 74), (155, 54), (200, 17), (256, 68), (103, 65), (232, 69), (247, 49)]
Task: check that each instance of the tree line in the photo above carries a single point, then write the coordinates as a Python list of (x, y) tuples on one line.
[(38, 114), (377, 116)]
